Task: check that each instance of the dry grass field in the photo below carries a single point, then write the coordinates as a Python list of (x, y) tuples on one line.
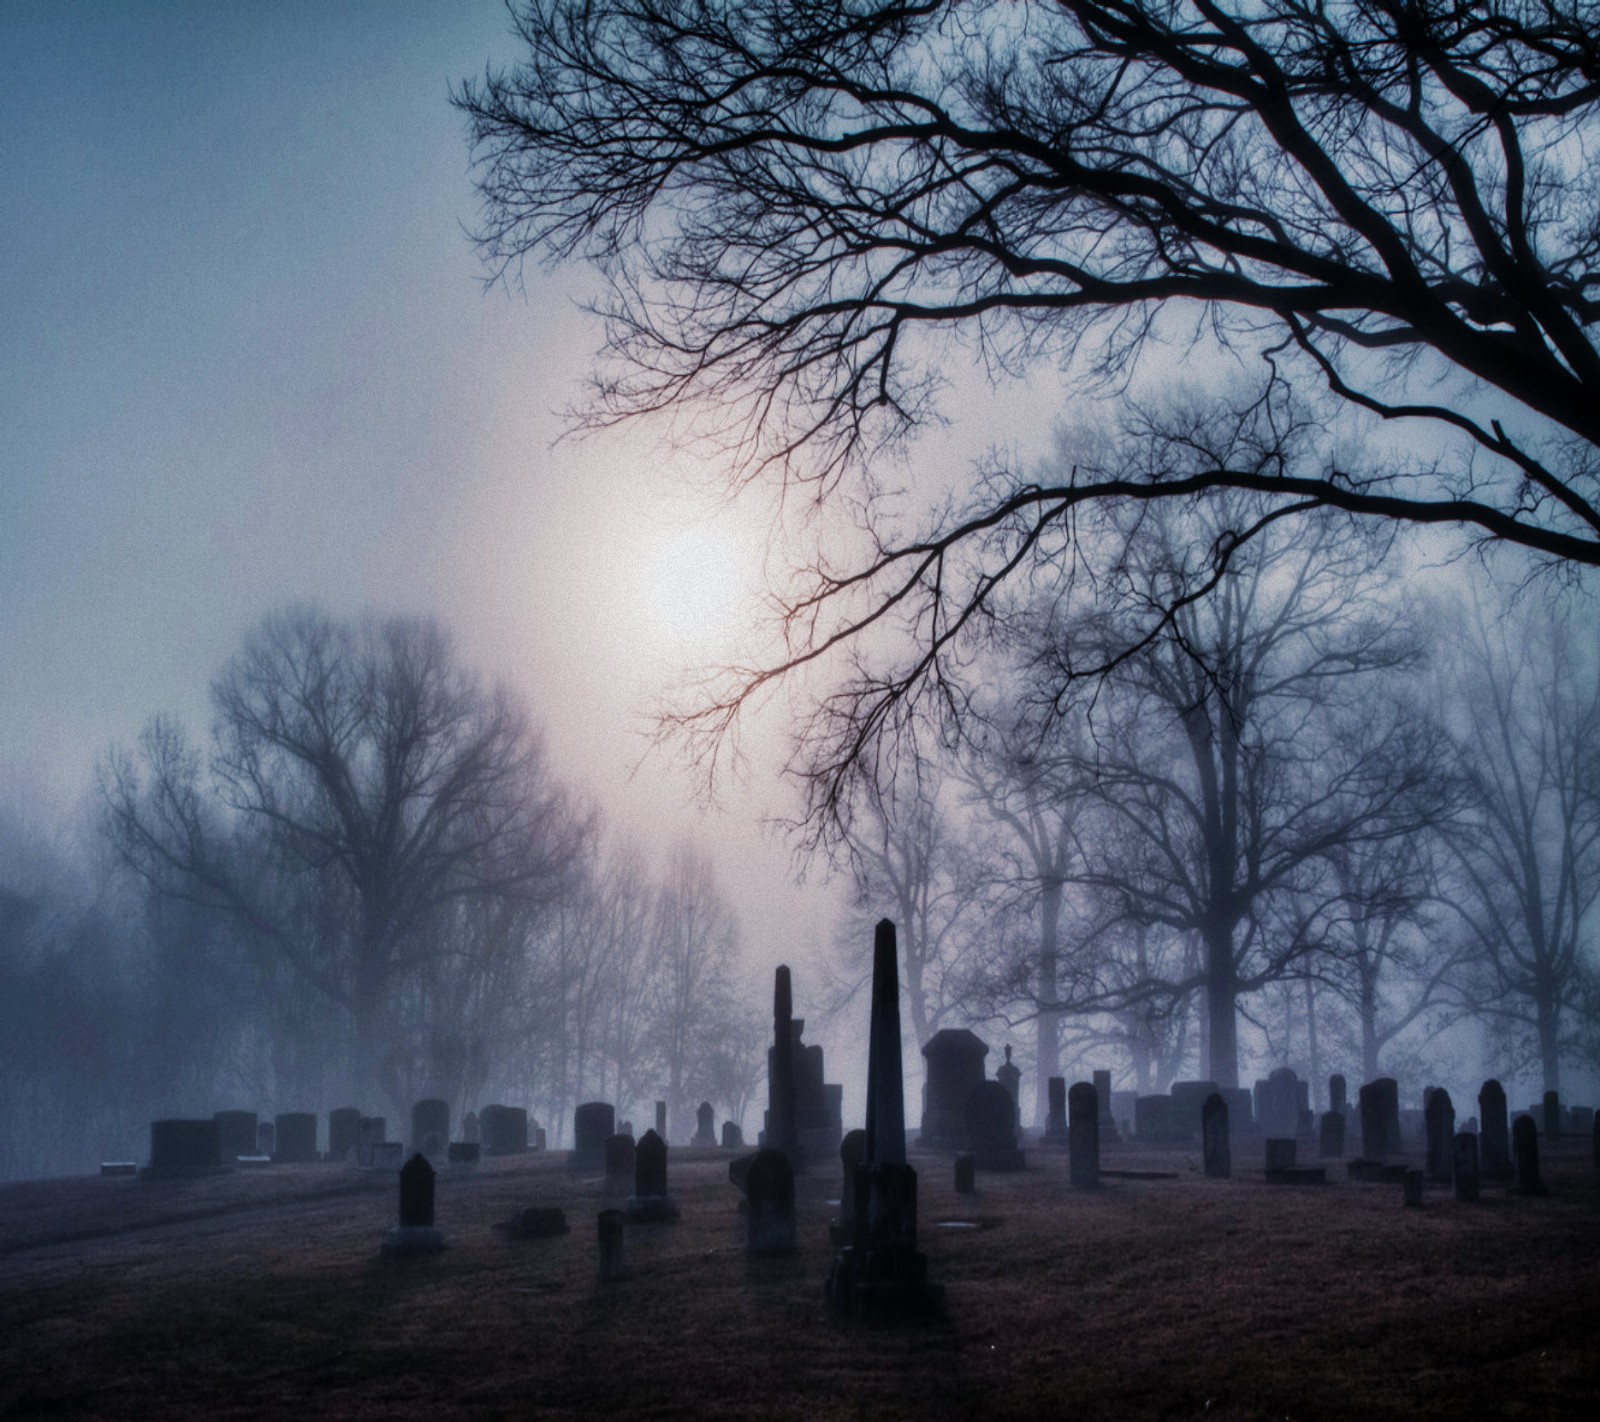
[(264, 1295)]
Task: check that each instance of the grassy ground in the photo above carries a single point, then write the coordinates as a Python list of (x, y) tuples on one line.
[(257, 1295)]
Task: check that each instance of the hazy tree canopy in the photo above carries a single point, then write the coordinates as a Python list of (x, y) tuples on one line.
[(796, 204)]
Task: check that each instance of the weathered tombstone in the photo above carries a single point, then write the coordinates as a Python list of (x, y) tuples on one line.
[(593, 1124), (470, 1130), (1188, 1100), (881, 1273), (1465, 1166), (430, 1127), (236, 1134), (732, 1136), (661, 1119), (992, 1127), (344, 1134), (1055, 1121), (966, 1181), (769, 1209), (780, 1133), (650, 1203), (1336, 1093), (852, 1151), (1214, 1137), (1495, 1145), (415, 1234), (620, 1164), (1278, 1103), (1083, 1131), (1525, 1145), (503, 1130), (183, 1148), (1389, 1099), (538, 1138), (1411, 1187), (954, 1058), (297, 1138), (1373, 1142), (1440, 1114), (1010, 1077), (613, 1259), (1159, 1120), (705, 1128), (374, 1131), (1330, 1142), (266, 1138), (1108, 1124), (1552, 1115)]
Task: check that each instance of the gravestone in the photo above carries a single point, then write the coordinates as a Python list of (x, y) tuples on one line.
[(732, 1136), (593, 1124), (650, 1203), (992, 1127), (620, 1164), (1083, 1132), (374, 1131), (1278, 1103), (430, 1127), (881, 1273), (503, 1130), (1280, 1155), (954, 1065), (1159, 1120), (236, 1134), (1552, 1115), (1440, 1115), (1411, 1187), (1330, 1142), (705, 1130), (1108, 1124), (1336, 1093), (1525, 1146), (1465, 1166), (613, 1258), (1010, 1077), (966, 1181), (297, 1138), (1055, 1121), (416, 1233), (344, 1134), (1214, 1137), (661, 1119), (1495, 1146), (1373, 1140), (780, 1133), (1188, 1100), (470, 1131), (179, 1149), (266, 1138), (852, 1152), (1389, 1097), (769, 1203)]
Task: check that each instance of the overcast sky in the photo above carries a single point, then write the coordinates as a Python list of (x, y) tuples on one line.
[(246, 357)]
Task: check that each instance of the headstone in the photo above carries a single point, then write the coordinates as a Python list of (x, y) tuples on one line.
[(415, 1234), (852, 1152), (650, 1203), (966, 1181), (954, 1065), (503, 1130), (540, 1222), (1330, 1139), (1525, 1146), (613, 1260), (344, 1134), (236, 1134), (374, 1131), (1465, 1166), (297, 1138), (881, 1273), (1373, 1144), (430, 1127), (1280, 1154), (705, 1130), (1278, 1103), (1010, 1077), (183, 1148), (1108, 1124), (769, 1209), (620, 1164), (1159, 1120), (1389, 1099), (1440, 1114), (1188, 1100), (992, 1127), (1083, 1131), (1411, 1187), (1055, 1121), (266, 1138), (1552, 1115), (470, 1131), (538, 1138), (780, 1133), (732, 1136), (593, 1124), (1336, 1093), (1214, 1137), (661, 1119)]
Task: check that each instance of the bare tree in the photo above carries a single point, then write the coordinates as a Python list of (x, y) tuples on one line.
[(797, 202), (360, 784), (1529, 846)]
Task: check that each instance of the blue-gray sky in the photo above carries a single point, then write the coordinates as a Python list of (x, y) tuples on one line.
[(246, 358)]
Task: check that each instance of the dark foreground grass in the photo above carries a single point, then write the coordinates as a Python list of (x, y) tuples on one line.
[(256, 1296)]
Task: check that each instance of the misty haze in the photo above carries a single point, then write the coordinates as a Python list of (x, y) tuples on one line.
[(800, 710)]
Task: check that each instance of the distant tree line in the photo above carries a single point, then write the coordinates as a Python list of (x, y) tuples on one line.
[(367, 888)]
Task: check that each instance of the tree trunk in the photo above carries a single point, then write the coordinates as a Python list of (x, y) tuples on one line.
[(1222, 992), (1047, 1050), (1549, 1021)]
